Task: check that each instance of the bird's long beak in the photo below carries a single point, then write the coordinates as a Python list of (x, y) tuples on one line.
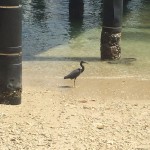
[(85, 62)]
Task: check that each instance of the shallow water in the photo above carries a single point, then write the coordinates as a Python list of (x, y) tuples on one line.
[(48, 35), (46, 23)]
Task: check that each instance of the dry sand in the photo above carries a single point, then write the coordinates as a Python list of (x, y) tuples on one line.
[(99, 114)]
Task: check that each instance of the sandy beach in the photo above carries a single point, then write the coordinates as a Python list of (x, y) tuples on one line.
[(101, 113)]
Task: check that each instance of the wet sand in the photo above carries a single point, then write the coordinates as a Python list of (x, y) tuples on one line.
[(101, 113)]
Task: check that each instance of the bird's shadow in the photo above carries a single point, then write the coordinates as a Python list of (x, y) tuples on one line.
[(65, 86)]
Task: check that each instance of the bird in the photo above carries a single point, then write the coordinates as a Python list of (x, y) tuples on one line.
[(75, 73)]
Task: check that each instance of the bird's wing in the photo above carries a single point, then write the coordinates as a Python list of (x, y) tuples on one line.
[(74, 74)]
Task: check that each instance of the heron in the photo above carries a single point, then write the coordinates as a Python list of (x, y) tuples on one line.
[(75, 73)]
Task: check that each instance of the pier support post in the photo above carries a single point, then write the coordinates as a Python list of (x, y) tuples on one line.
[(111, 29), (76, 8), (10, 52)]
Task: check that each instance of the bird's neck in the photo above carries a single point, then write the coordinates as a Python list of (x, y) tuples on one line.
[(82, 67)]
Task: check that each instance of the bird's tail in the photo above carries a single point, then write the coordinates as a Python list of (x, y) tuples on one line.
[(65, 77)]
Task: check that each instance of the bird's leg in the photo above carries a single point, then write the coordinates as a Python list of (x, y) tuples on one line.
[(74, 82)]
